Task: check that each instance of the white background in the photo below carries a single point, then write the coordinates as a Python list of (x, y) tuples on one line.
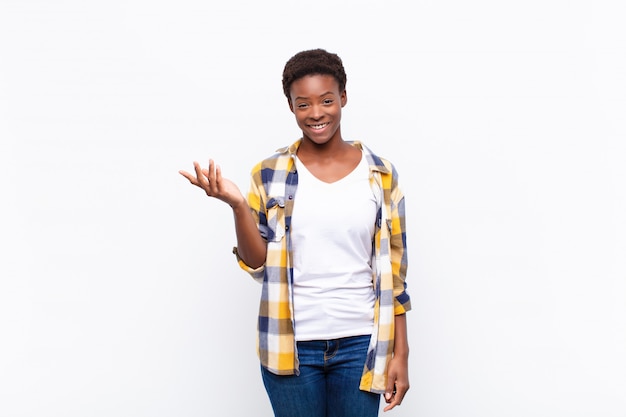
[(119, 295)]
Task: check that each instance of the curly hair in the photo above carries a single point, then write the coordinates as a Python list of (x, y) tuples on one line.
[(314, 61)]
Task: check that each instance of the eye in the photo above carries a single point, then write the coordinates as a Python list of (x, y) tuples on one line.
[(301, 105), (328, 101)]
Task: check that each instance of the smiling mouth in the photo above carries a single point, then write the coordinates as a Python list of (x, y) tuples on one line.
[(319, 126)]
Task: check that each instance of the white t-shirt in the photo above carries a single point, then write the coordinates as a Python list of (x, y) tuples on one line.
[(332, 227)]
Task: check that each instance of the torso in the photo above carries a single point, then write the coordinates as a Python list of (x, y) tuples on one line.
[(332, 227)]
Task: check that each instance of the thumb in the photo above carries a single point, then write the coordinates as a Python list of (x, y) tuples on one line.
[(390, 391)]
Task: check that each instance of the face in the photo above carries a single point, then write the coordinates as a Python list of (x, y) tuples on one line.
[(317, 102)]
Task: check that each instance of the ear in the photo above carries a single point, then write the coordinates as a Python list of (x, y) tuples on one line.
[(290, 105), (344, 98)]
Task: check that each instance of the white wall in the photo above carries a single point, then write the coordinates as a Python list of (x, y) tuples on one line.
[(119, 295)]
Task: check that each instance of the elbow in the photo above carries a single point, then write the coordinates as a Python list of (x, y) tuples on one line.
[(255, 265), (254, 261)]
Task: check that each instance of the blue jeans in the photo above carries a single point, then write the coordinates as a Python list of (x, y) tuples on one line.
[(328, 384)]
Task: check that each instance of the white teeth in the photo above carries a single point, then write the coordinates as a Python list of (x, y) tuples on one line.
[(323, 125)]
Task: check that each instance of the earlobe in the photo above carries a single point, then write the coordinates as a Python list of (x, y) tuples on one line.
[(344, 98)]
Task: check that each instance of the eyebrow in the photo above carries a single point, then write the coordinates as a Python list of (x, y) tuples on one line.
[(321, 95)]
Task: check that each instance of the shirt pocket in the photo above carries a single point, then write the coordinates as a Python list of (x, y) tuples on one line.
[(275, 212)]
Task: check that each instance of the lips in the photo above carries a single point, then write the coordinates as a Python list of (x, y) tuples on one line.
[(319, 126)]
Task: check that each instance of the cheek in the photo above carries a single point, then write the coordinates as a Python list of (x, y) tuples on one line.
[(300, 120)]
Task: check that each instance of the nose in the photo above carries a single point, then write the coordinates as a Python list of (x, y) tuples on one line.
[(316, 111)]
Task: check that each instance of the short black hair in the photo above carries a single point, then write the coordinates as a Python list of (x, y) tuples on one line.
[(311, 62)]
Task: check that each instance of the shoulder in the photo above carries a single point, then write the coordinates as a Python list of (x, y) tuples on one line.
[(376, 162), (280, 162)]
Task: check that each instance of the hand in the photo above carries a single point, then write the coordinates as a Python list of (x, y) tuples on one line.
[(397, 381), (214, 185)]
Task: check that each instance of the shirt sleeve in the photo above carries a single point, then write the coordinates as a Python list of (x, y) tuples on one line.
[(399, 264), (256, 205)]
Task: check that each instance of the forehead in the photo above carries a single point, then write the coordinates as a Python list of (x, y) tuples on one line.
[(314, 85)]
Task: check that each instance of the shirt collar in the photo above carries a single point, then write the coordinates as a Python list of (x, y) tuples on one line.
[(375, 163)]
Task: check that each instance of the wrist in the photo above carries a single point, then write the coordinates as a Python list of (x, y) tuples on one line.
[(401, 349), (237, 206), (401, 353)]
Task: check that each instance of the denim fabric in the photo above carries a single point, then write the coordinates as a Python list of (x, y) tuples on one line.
[(328, 384)]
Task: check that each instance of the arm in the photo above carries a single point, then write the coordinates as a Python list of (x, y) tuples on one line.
[(250, 245), (398, 373), (398, 370)]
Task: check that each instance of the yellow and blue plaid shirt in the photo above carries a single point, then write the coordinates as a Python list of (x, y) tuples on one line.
[(272, 191)]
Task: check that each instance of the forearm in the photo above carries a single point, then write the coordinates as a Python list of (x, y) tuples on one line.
[(251, 247), (401, 342)]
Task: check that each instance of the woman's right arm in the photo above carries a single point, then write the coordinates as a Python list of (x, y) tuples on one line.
[(251, 247)]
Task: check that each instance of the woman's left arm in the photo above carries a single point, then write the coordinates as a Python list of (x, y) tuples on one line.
[(398, 372)]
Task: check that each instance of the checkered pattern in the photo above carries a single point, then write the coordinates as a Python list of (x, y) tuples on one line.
[(271, 196)]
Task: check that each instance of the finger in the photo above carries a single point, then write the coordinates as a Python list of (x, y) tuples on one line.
[(189, 177), (218, 175), (200, 178), (399, 395), (211, 170), (393, 402), (396, 398), (391, 406), (390, 391), (211, 176)]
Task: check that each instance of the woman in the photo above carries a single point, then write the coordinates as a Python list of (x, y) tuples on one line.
[(323, 230)]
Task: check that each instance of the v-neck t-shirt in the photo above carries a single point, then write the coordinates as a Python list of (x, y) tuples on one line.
[(332, 228)]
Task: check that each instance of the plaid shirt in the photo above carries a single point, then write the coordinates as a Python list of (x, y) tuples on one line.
[(273, 188)]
